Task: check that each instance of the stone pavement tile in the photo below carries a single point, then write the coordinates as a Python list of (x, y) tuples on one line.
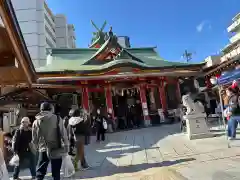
[(183, 150), (224, 153), (214, 170), (201, 157), (208, 144), (180, 144), (234, 143), (140, 156), (125, 156), (234, 172), (153, 155), (167, 149), (235, 162), (188, 160), (88, 174)]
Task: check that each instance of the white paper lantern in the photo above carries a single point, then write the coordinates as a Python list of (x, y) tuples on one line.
[(213, 80)]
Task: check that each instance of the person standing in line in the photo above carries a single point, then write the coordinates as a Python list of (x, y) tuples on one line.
[(79, 130), (21, 147), (99, 126), (233, 111), (50, 138)]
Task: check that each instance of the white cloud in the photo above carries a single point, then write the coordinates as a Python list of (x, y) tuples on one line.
[(203, 25)]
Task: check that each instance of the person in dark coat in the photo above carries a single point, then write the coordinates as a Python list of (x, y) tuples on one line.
[(99, 126), (21, 147)]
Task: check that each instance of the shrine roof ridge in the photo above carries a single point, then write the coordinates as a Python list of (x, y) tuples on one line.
[(141, 48), (80, 50)]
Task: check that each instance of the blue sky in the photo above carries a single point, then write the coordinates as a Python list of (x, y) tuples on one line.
[(171, 25)]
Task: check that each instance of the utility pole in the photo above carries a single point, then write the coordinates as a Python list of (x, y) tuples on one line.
[(187, 55)]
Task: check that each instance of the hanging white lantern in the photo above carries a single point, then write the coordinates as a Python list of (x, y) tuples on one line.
[(213, 80)]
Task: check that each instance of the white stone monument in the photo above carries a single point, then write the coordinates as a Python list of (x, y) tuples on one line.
[(195, 119)]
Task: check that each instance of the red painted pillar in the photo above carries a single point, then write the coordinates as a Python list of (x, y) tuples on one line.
[(108, 94), (178, 91), (162, 93), (85, 99), (208, 83), (143, 98)]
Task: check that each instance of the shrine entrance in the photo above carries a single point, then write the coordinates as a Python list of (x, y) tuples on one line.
[(66, 100), (97, 100), (154, 104), (127, 107)]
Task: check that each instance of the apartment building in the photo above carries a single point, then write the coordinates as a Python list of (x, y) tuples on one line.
[(42, 29), (65, 33), (233, 48)]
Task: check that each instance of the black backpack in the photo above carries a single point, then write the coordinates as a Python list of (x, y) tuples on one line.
[(80, 128), (235, 106)]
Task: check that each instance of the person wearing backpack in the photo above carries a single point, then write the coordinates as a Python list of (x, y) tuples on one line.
[(51, 141), (21, 146), (233, 111), (79, 130)]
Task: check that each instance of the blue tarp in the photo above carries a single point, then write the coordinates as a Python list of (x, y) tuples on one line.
[(229, 76)]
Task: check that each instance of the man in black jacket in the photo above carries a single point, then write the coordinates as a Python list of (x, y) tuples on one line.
[(99, 126), (21, 146)]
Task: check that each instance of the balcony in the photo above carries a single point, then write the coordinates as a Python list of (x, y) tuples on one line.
[(235, 38), (234, 26), (231, 54)]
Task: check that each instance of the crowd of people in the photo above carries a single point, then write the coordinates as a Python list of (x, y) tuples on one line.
[(50, 138)]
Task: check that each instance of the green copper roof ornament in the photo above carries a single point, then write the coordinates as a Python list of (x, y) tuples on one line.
[(99, 35), (187, 55)]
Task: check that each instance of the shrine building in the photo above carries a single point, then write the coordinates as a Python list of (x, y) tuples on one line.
[(104, 76), (112, 77)]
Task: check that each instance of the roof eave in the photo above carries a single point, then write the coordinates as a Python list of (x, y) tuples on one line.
[(197, 67), (9, 19), (123, 75)]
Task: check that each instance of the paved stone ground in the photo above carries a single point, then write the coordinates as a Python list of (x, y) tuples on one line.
[(134, 154)]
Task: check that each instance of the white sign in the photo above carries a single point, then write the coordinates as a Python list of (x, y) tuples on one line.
[(160, 112), (144, 105), (145, 112)]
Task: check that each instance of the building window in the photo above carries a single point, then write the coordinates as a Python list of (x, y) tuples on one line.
[(50, 33), (49, 43), (48, 21)]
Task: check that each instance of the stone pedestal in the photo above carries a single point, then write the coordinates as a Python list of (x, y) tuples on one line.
[(196, 126)]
